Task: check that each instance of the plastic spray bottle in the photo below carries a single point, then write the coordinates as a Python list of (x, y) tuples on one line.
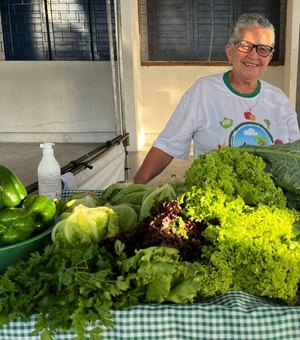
[(49, 174)]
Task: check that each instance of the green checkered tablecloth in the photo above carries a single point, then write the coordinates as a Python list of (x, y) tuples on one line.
[(235, 315), (66, 193)]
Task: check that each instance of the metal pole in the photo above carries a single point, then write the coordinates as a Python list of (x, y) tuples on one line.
[(87, 160), (118, 26), (118, 126), (117, 89)]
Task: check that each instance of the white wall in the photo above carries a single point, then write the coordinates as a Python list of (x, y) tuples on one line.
[(56, 101), (132, 87), (292, 50)]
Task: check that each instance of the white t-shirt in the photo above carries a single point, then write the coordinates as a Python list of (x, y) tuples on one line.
[(213, 114)]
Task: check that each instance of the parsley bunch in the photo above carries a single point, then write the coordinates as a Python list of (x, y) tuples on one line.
[(70, 288)]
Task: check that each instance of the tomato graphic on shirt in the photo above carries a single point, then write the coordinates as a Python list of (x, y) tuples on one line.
[(278, 141), (249, 116)]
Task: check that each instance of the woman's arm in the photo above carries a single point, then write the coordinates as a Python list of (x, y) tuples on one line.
[(154, 163)]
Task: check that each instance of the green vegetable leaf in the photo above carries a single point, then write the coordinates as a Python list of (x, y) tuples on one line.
[(127, 216), (283, 162), (164, 192), (158, 289)]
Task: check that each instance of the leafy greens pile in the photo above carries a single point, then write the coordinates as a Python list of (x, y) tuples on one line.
[(282, 162), (255, 244), (228, 227), (166, 226), (237, 174)]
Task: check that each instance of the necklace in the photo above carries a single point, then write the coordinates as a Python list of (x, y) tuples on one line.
[(249, 113)]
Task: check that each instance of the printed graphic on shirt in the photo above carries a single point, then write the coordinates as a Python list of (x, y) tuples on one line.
[(226, 123), (250, 133), (221, 144), (268, 123), (249, 115)]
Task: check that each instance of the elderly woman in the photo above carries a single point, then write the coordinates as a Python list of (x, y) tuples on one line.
[(232, 109)]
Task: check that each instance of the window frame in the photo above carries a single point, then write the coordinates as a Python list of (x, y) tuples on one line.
[(202, 63), (53, 35)]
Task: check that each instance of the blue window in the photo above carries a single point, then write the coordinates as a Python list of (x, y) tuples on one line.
[(55, 30)]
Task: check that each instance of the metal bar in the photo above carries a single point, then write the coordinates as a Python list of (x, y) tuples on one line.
[(83, 162), (86, 160), (119, 45), (113, 68), (48, 28), (91, 17)]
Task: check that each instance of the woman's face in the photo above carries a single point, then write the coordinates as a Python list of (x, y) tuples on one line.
[(250, 66)]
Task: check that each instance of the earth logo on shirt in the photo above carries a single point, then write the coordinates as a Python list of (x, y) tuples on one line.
[(250, 133)]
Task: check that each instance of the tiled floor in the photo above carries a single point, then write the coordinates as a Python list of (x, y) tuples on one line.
[(23, 160)]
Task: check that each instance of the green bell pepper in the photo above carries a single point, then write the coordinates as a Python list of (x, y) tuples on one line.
[(12, 190), (1, 198), (41, 208), (16, 225)]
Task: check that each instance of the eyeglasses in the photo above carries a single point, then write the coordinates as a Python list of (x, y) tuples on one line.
[(245, 46)]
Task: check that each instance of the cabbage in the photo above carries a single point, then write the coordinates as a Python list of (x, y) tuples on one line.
[(86, 225), (127, 216)]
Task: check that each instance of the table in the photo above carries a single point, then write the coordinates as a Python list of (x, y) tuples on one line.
[(234, 315)]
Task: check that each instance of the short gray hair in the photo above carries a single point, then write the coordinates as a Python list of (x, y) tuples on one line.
[(251, 19)]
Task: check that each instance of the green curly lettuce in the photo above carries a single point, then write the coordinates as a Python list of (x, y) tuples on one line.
[(237, 174), (256, 243)]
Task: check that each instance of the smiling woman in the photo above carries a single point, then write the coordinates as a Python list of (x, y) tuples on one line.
[(229, 109), (248, 64)]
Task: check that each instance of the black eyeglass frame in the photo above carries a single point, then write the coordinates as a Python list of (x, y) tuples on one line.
[(271, 49)]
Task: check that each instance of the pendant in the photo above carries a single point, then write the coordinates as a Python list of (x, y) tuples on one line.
[(249, 115)]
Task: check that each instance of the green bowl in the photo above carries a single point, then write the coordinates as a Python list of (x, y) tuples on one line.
[(20, 251)]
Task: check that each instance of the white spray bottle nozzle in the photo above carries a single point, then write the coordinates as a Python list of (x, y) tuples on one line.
[(46, 145)]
